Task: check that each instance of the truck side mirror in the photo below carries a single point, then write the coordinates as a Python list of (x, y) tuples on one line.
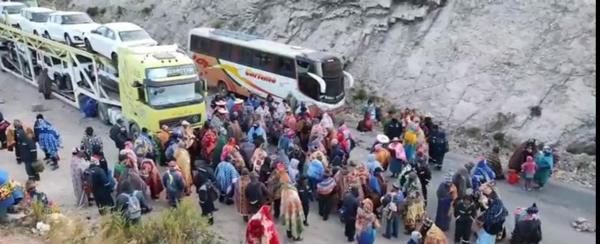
[(136, 84)]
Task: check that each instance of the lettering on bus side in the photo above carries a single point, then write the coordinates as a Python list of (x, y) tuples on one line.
[(261, 77)]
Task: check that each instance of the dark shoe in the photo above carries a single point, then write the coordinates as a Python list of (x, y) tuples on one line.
[(305, 223), (54, 167), (297, 239), (350, 239), (387, 236)]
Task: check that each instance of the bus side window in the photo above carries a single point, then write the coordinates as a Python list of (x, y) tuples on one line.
[(236, 54), (214, 48), (247, 57), (285, 67), (225, 51)]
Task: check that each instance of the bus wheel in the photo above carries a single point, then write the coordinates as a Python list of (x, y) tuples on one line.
[(134, 130), (103, 113), (45, 85), (222, 88)]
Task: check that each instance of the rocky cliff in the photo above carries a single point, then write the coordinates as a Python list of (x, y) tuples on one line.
[(497, 70)]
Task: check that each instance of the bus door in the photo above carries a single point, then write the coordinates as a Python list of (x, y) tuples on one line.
[(309, 83)]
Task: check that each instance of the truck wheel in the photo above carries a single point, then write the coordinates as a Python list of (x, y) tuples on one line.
[(46, 35), (45, 84), (115, 59), (134, 130), (103, 113), (35, 33)]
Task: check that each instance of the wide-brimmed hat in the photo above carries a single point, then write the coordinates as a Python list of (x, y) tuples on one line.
[(238, 101), (396, 139), (222, 110), (396, 185), (220, 103), (383, 138)]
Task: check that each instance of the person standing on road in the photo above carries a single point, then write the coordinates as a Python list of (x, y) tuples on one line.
[(528, 168), (256, 192), (398, 159), (545, 164), (446, 194), (528, 227), (28, 151), (306, 196), (292, 212), (462, 179), (438, 146), (492, 218), (366, 223), (12, 140), (493, 159), (326, 193), (392, 204), (48, 139), (465, 213), (240, 200), (4, 124), (424, 174), (101, 186), (90, 141), (174, 184), (349, 210), (118, 133), (78, 166)]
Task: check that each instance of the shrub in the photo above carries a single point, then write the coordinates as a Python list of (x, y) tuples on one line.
[(120, 11), (360, 94), (218, 24), (535, 111), (148, 10), (94, 11)]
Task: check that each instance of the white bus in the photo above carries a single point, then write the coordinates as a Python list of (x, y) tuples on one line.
[(245, 64)]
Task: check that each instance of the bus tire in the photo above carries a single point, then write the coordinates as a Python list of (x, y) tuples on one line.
[(103, 113), (134, 130), (45, 85)]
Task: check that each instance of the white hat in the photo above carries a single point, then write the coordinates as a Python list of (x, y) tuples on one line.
[(220, 103), (222, 110), (383, 138), (185, 122), (238, 101)]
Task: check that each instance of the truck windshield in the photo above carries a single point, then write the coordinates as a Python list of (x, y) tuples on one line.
[(40, 17), (175, 95), (136, 35), (13, 9), (74, 19)]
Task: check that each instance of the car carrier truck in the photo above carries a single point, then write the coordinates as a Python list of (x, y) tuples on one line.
[(150, 87)]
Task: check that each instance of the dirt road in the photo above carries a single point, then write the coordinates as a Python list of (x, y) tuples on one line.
[(558, 204)]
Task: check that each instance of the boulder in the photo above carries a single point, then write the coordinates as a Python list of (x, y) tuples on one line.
[(587, 146)]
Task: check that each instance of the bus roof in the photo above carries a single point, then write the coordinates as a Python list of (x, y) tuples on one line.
[(250, 41)]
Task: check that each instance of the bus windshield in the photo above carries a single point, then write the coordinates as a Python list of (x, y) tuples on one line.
[(169, 96), (29, 3)]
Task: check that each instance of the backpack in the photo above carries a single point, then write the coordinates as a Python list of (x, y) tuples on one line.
[(134, 209)]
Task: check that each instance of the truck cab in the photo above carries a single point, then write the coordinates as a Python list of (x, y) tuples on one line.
[(159, 85)]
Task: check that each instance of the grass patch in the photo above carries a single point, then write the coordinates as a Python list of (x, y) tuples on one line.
[(218, 24)]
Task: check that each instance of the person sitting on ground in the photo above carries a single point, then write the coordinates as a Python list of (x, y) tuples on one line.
[(131, 204)]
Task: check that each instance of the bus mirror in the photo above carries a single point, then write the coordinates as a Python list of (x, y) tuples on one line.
[(136, 84)]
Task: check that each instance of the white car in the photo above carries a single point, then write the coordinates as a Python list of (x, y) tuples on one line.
[(107, 38), (33, 20), (69, 27), (10, 12)]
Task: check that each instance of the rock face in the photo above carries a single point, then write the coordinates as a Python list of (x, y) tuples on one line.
[(520, 68)]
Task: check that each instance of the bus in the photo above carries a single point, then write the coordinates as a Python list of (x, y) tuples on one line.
[(249, 64)]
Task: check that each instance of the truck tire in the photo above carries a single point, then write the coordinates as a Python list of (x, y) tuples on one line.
[(103, 113), (134, 130), (45, 84)]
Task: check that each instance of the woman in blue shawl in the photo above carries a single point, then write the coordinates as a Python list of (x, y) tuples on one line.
[(545, 162), (48, 139), (372, 163), (482, 174), (225, 174)]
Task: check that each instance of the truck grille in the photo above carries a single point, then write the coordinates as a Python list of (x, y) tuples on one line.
[(194, 120)]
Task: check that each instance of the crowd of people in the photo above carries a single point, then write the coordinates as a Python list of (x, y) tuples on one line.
[(271, 159)]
